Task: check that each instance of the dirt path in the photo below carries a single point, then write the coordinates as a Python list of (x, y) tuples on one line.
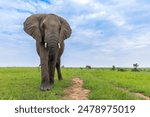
[(76, 91), (141, 95)]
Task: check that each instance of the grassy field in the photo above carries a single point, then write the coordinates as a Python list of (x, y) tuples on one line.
[(23, 84)]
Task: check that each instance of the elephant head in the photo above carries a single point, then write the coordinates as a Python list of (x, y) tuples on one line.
[(47, 28), (49, 31)]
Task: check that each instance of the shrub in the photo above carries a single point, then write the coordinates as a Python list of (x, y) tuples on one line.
[(121, 69), (88, 67)]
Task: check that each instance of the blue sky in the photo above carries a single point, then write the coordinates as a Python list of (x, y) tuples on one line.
[(105, 33)]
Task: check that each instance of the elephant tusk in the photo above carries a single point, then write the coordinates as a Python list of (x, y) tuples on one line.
[(45, 45), (58, 45)]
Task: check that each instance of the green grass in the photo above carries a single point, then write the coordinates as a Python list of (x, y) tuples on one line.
[(23, 84), (105, 83)]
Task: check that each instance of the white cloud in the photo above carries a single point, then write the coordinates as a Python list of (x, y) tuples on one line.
[(127, 42), (106, 31), (82, 2)]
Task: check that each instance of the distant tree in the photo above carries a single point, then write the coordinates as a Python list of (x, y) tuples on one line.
[(135, 67), (88, 67), (113, 67), (62, 66)]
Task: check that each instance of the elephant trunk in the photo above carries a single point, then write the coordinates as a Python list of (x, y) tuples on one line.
[(51, 54), (51, 43), (51, 40)]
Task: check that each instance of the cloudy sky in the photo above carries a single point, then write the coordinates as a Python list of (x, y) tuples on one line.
[(105, 32)]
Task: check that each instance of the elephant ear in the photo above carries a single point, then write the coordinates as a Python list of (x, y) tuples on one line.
[(66, 30), (32, 26)]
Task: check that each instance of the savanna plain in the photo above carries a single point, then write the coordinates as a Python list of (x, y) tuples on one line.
[(22, 83)]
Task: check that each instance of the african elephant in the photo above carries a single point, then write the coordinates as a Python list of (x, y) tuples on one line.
[(49, 31)]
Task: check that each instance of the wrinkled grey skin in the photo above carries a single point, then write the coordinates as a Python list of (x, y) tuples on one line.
[(49, 31)]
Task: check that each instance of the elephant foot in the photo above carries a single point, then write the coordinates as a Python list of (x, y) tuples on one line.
[(60, 78), (46, 86)]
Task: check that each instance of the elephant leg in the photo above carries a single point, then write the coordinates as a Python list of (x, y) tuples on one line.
[(52, 65), (45, 84), (58, 69)]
